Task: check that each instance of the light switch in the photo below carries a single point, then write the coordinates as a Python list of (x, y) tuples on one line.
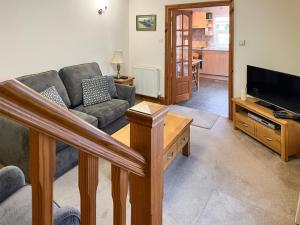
[(242, 42)]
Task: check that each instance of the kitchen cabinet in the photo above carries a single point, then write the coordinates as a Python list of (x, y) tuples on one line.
[(199, 20), (209, 31), (215, 62)]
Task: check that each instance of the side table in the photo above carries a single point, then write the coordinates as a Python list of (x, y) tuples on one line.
[(128, 81)]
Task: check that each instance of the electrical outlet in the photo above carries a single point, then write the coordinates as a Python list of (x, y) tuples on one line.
[(242, 42)]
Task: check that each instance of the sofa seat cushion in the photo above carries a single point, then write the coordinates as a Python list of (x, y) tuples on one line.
[(60, 146), (86, 117), (17, 210), (72, 77), (106, 112), (41, 81)]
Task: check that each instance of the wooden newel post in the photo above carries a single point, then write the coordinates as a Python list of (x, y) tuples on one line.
[(146, 137)]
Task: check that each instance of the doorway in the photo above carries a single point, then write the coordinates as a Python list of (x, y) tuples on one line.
[(199, 56)]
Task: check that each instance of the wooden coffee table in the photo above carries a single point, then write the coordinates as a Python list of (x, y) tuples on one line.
[(176, 137)]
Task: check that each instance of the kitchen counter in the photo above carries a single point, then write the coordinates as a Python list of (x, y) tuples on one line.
[(215, 62), (211, 49), (216, 49)]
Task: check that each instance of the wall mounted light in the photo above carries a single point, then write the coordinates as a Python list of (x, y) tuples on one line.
[(102, 6)]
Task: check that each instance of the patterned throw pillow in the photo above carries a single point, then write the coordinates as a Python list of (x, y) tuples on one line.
[(52, 94), (95, 90), (112, 87)]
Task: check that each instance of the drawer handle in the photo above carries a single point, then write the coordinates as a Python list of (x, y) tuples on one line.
[(269, 139), (244, 124)]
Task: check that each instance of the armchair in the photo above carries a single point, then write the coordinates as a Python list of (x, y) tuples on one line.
[(15, 201)]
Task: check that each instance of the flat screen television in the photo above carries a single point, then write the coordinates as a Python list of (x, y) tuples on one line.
[(276, 88)]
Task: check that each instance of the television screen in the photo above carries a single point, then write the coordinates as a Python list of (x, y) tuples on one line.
[(280, 89)]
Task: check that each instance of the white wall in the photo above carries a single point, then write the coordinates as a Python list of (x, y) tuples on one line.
[(270, 27), (37, 35), (147, 48), (272, 31)]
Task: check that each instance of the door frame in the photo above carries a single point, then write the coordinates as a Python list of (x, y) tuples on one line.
[(168, 53)]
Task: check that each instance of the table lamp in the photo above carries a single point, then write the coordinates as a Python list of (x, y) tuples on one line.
[(118, 59)]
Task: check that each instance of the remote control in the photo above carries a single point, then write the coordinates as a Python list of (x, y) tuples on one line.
[(285, 115)]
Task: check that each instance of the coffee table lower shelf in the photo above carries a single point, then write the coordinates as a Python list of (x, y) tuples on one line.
[(176, 137)]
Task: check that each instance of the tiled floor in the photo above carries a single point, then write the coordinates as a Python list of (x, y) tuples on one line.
[(212, 96)]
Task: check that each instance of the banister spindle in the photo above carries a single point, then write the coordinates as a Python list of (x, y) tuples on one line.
[(88, 183), (146, 137), (119, 180), (42, 167)]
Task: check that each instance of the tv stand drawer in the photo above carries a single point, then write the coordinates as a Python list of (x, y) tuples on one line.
[(269, 137), (244, 123)]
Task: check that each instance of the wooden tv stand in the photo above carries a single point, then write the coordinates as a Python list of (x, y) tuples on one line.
[(285, 140)]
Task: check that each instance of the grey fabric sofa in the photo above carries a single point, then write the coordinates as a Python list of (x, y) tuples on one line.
[(16, 203), (108, 116)]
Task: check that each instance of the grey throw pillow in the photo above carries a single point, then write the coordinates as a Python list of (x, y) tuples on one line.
[(112, 87), (52, 94), (95, 90)]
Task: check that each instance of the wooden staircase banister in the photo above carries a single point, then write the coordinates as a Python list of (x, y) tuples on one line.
[(25, 106), (140, 167)]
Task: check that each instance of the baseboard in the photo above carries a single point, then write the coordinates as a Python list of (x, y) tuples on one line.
[(214, 77), (159, 100)]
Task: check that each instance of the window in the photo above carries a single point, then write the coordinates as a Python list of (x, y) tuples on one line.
[(222, 30), (223, 39)]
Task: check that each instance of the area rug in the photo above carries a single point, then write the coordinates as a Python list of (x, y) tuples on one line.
[(201, 119)]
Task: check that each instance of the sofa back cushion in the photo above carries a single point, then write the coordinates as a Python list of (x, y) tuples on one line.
[(95, 91), (72, 77), (42, 81), (52, 94)]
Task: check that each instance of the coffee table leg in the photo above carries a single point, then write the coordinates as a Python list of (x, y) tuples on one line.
[(186, 150)]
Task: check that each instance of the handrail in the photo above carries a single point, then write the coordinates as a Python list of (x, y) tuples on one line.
[(27, 107)]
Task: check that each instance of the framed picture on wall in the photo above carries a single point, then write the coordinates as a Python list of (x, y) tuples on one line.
[(146, 23)]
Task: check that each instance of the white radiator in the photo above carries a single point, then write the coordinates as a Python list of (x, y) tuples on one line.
[(147, 81)]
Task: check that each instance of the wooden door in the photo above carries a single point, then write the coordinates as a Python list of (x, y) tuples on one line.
[(182, 55)]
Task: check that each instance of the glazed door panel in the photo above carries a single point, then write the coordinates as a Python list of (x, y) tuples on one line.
[(182, 56)]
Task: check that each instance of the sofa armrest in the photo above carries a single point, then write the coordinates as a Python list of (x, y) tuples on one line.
[(14, 147), (11, 180), (127, 93), (67, 216)]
